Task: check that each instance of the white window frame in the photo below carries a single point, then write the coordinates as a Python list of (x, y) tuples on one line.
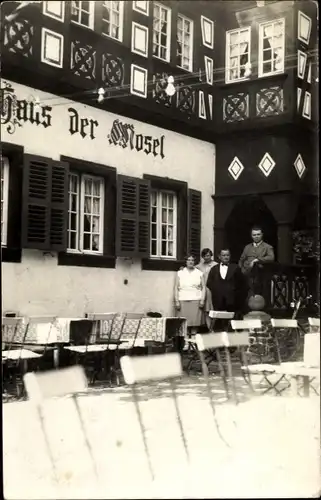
[(191, 33), (228, 54), (121, 19), (91, 15), (4, 200), (80, 214), (261, 47), (168, 32), (159, 256)]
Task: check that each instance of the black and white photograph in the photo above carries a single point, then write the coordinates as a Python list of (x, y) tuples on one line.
[(160, 249)]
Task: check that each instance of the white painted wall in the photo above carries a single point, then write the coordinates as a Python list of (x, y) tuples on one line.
[(38, 285)]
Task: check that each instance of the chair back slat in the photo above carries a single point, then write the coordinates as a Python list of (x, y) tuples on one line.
[(101, 316), (221, 314), (284, 323), (222, 339), (246, 324), (11, 321), (146, 368), (33, 320), (315, 322), (311, 353), (55, 383), (134, 316)]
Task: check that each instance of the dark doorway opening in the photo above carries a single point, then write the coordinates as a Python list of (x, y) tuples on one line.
[(249, 212)]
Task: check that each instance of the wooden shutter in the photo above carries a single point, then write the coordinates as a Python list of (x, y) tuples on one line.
[(44, 204), (194, 222), (133, 201)]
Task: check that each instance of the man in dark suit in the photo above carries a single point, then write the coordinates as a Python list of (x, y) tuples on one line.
[(226, 285)]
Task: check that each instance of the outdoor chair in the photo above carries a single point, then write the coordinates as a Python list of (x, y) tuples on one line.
[(143, 369), (18, 353), (105, 342), (82, 346), (210, 355), (217, 342)]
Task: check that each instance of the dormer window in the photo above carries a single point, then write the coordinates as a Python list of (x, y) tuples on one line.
[(238, 46), (271, 47)]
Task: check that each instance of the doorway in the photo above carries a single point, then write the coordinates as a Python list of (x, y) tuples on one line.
[(248, 212)]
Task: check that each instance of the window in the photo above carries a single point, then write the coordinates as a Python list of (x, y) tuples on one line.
[(184, 50), (83, 13), (271, 48), (161, 32), (4, 199), (85, 214), (163, 224), (238, 46), (113, 19)]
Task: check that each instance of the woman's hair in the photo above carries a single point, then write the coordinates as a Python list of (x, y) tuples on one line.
[(190, 256), (205, 251)]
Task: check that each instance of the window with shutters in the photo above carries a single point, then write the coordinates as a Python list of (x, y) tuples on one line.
[(4, 199), (163, 224), (85, 231)]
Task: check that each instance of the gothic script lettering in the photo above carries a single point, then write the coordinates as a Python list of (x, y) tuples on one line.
[(124, 135)]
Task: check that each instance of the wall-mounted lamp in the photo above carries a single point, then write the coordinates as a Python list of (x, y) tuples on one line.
[(170, 89), (101, 95), (248, 69)]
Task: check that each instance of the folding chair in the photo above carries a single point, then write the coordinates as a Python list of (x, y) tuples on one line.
[(286, 337), (210, 355), (53, 384), (17, 356), (216, 342), (138, 369), (103, 329)]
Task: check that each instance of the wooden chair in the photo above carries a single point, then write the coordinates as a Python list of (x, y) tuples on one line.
[(220, 315), (17, 356), (286, 338), (81, 345), (138, 369), (59, 383), (216, 342)]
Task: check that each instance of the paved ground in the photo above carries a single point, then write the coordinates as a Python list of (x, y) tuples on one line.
[(263, 447)]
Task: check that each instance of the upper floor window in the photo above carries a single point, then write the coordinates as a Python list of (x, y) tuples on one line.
[(161, 32), (163, 224), (271, 47), (85, 214), (83, 13), (238, 46), (113, 13), (184, 50), (4, 199)]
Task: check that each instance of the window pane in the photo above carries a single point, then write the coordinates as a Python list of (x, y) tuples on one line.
[(154, 214), (154, 247), (163, 247), (95, 242), (87, 224), (154, 231), (95, 224), (88, 186), (86, 241)]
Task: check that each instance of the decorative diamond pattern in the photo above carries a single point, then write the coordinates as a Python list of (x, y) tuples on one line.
[(299, 166), (267, 164), (235, 168)]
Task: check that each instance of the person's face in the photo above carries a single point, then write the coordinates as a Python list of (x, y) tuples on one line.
[(207, 258), (257, 236), (225, 257), (190, 262)]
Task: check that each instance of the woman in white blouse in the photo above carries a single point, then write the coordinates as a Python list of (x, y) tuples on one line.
[(189, 294)]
